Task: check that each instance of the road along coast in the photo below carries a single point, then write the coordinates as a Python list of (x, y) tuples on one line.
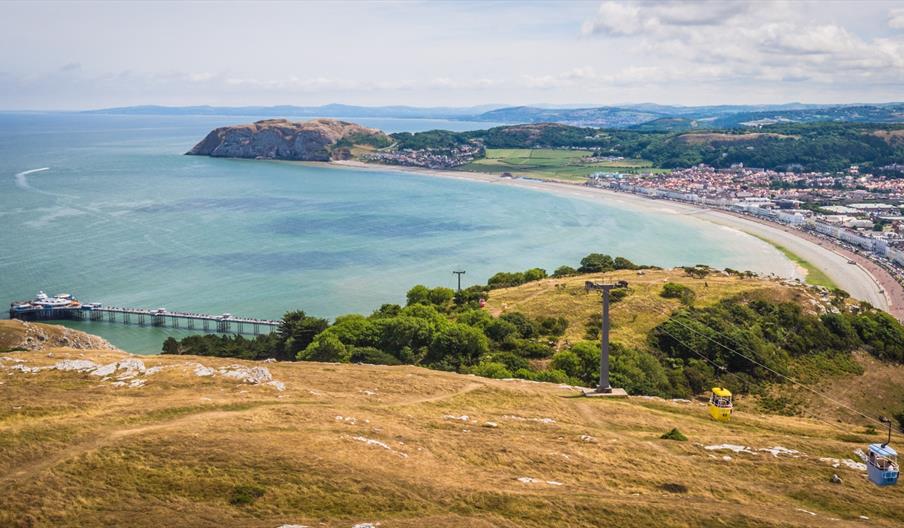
[(864, 279)]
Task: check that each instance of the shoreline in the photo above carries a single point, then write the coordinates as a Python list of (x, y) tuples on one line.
[(864, 280)]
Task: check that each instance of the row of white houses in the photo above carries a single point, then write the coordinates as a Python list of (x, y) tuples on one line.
[(876, 245)]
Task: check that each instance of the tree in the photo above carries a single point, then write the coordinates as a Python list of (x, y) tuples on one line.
[(171, 346), (581, 361), (419, 294), (296, 331), (564, 271), (596, 262), (526, 327), (621, 263), (397, 333), (499, 330), (441, 296), (457, 346), (534, 274), (326, 347)]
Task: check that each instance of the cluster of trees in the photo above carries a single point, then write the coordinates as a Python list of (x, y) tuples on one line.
[(430, 139), (685, 355), (810, 146), (592, 263), (436, 329), (775, 338)]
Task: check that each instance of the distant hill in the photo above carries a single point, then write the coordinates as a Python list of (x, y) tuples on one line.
[(893, 113), (644, 116), (668, 118), (330, 110), (606, 117), (281, 139)]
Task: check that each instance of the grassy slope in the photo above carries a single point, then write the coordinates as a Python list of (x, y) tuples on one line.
[(815, 276), (639, 312), (75, 451), (553, 164)]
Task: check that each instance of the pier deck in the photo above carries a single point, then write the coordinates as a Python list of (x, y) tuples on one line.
[(220, 324)]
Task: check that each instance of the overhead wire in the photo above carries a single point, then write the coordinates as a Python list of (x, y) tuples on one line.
[(755, 362)]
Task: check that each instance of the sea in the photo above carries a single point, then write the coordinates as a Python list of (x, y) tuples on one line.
[(108, 208)]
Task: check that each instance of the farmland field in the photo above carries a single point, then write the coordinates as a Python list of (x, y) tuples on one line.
[(554, 164)]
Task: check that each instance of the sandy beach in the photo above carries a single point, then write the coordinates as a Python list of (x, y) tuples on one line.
[(864, 279)]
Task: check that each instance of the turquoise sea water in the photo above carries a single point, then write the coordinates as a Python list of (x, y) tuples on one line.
[(118, 215)]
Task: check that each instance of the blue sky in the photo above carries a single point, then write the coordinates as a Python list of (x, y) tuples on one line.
[(74, 55)]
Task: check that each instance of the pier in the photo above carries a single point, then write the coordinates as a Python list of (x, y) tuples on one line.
[(219, 324)]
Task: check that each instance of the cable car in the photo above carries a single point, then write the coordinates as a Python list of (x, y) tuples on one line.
[(882, 463), (720, 404)]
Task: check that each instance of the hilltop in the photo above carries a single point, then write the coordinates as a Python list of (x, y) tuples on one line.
[(100, 438), (512, 148), (315, 140)]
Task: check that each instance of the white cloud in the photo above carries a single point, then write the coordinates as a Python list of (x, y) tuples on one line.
[(896, 18)]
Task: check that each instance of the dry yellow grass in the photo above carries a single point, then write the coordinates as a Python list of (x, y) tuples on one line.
[(77, 451), (641, 311)]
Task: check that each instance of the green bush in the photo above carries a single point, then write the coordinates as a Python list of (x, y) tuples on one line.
[(491, 369), (372, 356), (245, 494), (670, 290), (674, 434)]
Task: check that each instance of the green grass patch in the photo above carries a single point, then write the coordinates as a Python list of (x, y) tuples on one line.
[(815, 276), (553, 164)]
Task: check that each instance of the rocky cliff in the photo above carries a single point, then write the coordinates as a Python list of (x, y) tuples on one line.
[(281, 139), (21, 335)]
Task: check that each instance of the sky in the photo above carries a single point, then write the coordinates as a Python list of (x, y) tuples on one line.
[(80, 55)]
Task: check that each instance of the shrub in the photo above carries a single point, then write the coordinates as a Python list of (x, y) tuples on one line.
[(526, 327), (372, 356), (499, 330), (531, 349), (670, 290), (511, 361), (621, 263), (674, 434), (245, 494), (326, 347), (491, 369), (552, 326), (564, 271)]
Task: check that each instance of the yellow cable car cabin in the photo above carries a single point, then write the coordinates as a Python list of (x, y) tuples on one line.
[(720, 404)]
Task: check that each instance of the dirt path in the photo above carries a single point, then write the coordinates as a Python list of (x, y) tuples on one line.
[(440, 397)]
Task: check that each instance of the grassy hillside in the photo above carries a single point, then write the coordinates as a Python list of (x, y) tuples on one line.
[(400, 446), (639, 312)]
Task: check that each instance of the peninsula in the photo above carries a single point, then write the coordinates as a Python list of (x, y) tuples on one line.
[(316, 140)]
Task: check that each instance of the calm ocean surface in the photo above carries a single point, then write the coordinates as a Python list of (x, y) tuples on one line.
[(118, 215)]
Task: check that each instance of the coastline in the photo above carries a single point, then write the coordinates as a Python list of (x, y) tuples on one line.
[(864, 280)]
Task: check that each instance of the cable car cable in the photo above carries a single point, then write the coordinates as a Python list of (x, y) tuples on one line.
[(792, 380)]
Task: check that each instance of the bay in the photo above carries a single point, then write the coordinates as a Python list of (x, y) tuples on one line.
[(109, 209)]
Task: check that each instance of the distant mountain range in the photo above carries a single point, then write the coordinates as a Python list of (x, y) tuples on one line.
[(330, 110), (646, 116)]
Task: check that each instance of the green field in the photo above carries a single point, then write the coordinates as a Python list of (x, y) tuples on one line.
[(554, 164), (815, 276)]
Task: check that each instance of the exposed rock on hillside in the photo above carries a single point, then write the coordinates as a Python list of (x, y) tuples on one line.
[(37, 336), (281, 139)]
